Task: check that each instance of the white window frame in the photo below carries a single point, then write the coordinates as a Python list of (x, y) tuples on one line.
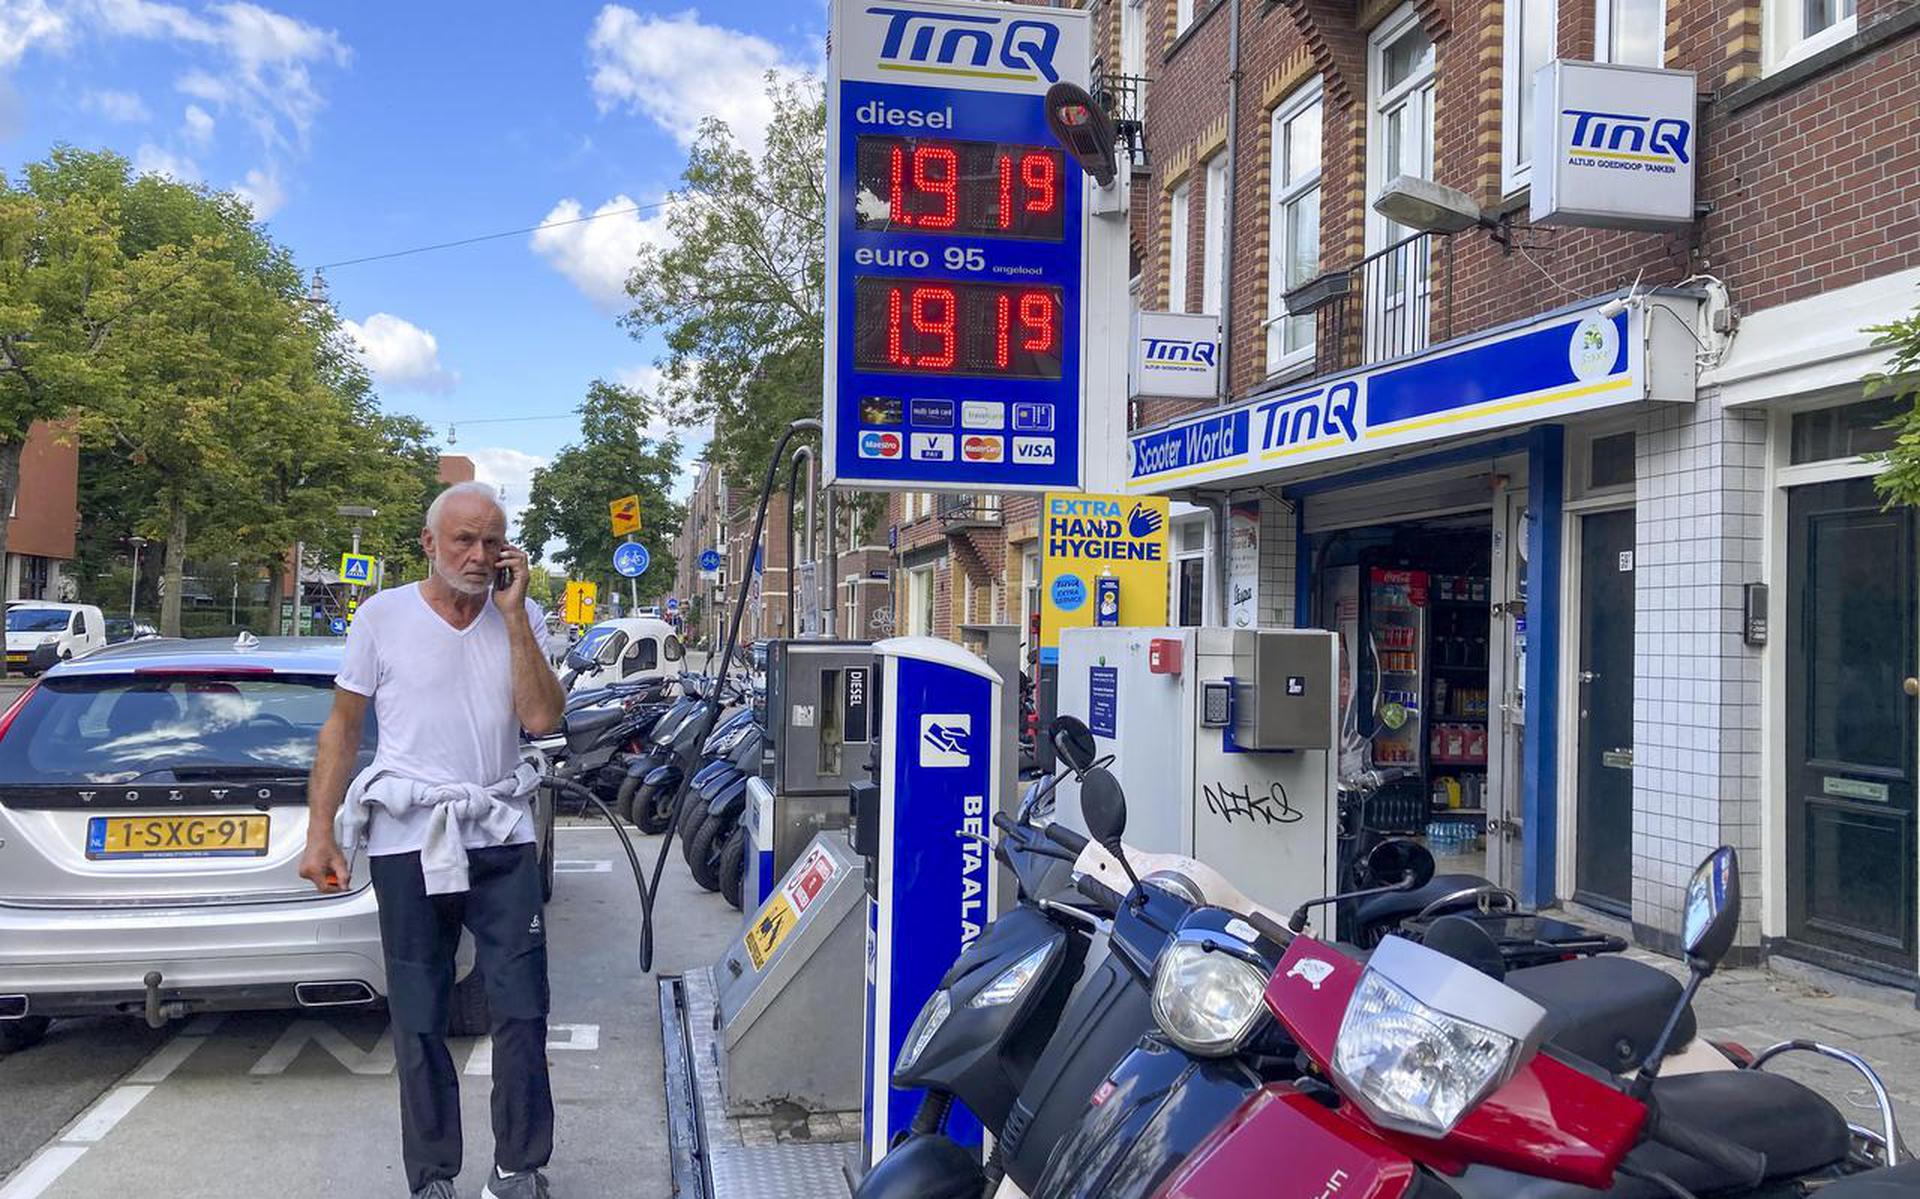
[(1783, 41), (1183, 15), (1415, 89), (1133, 38), (1179, 221), (1284, 195), (1603, 21), (919, 593), (1516, 158), (1213, 235)]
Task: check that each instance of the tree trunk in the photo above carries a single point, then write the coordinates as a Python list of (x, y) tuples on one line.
[(276, 594), (9, 484), (176, 562)]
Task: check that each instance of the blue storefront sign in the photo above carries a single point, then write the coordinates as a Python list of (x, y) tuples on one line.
[(1103, 692), (956, 230), (1570, 362)]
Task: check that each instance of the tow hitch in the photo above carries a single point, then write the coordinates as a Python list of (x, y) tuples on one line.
[(159, 1013)]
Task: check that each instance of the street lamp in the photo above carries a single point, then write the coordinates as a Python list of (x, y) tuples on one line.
[(359, 512), (133, 589)]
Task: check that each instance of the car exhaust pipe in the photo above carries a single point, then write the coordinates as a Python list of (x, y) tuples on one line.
[(332, 994), (13, 1007)]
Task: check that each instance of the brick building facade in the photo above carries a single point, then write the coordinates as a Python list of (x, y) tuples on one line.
[(41, 526)]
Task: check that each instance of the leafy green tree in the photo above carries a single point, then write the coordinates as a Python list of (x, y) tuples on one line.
[(738, 290), (1900, 482), (569, 496)]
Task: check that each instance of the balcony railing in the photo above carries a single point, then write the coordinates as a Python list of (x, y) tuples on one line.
[(1393, 302), (967, 511), (1125, 99)]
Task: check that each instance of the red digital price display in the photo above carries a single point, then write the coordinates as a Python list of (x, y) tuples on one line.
[(941, 327), (976, 189)]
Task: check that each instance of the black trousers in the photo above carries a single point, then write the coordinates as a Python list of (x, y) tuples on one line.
[(420, 934)]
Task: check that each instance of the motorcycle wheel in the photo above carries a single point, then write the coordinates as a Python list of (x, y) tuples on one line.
[(733, 866), (692, 812), (638, 804), (703, 857)]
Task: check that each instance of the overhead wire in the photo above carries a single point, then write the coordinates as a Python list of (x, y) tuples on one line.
[(468, 241)]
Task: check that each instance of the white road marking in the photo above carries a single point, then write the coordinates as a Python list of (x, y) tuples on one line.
[(41, 1172), (584, 1037), (104, 1113), (377, 1060), (596, 866)]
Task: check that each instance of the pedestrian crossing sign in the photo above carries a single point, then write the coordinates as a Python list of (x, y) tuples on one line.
[(356, 569)]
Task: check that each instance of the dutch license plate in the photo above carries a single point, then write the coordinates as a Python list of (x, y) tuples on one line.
[(209, 836)]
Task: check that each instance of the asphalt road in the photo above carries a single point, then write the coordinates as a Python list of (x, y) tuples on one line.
[(300, 1103)]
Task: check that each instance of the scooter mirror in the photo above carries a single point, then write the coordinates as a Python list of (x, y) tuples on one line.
[(1713, 909), (1073, 741), (1104, 807), (1401, 863)]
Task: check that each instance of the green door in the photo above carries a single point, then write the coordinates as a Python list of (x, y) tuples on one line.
[(1851, 731)]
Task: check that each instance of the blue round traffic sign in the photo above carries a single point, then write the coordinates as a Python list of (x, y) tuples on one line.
[(673, 603), (630, 559), (339, 626), (709, 559)]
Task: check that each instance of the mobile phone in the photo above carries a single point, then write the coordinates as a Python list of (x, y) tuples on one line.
[(503, 578)]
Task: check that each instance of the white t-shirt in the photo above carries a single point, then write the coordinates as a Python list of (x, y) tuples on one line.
[(442, 705)]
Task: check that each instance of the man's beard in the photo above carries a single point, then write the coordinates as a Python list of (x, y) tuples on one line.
[(457, 581)]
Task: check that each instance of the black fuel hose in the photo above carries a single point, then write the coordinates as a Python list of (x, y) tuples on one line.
[(633, 859)]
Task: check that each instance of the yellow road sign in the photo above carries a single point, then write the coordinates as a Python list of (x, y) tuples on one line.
[(578, 606), (356, 569), (626, 515)]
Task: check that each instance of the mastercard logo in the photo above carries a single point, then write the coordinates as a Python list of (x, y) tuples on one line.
[(982, 449)]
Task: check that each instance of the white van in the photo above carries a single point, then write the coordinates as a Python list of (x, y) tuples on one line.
[(72, 630), (625, 650)]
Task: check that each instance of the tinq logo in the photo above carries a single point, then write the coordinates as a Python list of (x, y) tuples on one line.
[(1625, 141), (987, 47)]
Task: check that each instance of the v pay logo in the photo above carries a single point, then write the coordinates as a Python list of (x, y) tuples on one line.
[(944, 739)]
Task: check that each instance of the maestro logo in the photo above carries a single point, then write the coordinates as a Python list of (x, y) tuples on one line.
[(979, 46), (982, 449), (944, 739), (879, 445)]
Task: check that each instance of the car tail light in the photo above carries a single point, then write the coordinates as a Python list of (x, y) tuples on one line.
[(7, 717)]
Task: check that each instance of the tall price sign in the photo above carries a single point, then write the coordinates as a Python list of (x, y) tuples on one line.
[(956, 242)]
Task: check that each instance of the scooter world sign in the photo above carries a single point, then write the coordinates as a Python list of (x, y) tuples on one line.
[(956, 231), (1092, 547)]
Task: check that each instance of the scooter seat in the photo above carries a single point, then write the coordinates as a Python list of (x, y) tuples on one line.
[(1894, 1182), (583, 729), (1380, 911), (1605, 1010), (1798, 1130)]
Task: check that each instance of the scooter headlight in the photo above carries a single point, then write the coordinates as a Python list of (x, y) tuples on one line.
[(932, 1015), (1205, 999), (1012, 982), (1414, 1066)]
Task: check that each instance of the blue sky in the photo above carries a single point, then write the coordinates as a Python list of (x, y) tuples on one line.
[(363, 128)]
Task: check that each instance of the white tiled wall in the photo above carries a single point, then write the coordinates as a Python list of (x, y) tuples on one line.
[(1277, 525), (1696, 767)]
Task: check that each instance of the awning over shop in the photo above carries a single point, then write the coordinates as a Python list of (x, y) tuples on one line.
[(1814, 345), (1593, 356)]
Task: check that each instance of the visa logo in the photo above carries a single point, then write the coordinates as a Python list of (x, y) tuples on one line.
[(1033, 451), (1633, 142), (982, 46)]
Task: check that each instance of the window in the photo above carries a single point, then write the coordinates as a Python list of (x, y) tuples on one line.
[(1182, 16), (1213, 244), (1610, 461), (1133, 44), (1633, 32), (1529, 46), (1794, 29), (1293, 237), (920, 602), (1177, 249), (1399, 142), (1847, 431)]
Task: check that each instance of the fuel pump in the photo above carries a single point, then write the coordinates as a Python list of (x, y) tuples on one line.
[(922, 825), (821, 717)]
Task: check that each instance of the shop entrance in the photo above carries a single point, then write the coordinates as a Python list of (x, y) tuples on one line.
[(1603, 861), (1851, 729), (1413, 602)]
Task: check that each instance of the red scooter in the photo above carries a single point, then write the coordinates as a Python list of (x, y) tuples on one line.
[(1428, 1077)]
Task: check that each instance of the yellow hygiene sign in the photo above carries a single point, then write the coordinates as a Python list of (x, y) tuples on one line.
[(1084, 538), (578, 606)]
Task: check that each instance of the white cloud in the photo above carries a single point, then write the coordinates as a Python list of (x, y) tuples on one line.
[(150, 159), (508, 468), (196, 125), (262, 192), (400, 354), (678, 70), (117, 106), (27, 23), (597, 255)]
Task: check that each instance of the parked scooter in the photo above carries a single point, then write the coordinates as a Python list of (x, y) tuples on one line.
[(645, 793), (1429, 1074), (721, 792), (1048, 998)]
